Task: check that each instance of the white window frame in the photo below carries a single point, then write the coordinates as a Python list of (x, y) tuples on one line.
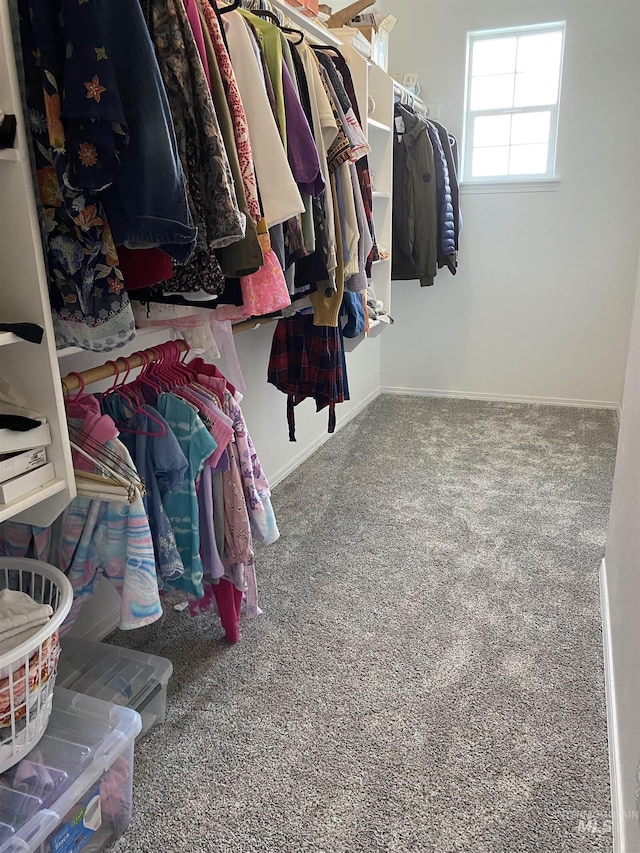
[(549, 177)]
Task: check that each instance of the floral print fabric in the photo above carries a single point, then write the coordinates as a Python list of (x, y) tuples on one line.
[(211, 191), (236, 108), (77, 132)]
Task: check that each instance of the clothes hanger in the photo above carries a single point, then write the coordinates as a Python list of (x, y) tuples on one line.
[(265, 13), (144, 377), (160, 367), (110, 483), (293, 31), (182, 374), (129, 394), (96, 453), (328, 47), (105, 458), (74, 397)]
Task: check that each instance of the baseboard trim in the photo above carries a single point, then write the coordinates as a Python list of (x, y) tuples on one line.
[(612, 727), (502, 398), (311, 448)]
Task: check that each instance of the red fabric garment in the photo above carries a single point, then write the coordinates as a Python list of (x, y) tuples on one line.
[(144, 267), (229, 599), (201, 366)]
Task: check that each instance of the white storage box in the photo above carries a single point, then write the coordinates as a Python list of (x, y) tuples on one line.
[(117, 675), (11, 490), (74, 790), (14, 464)]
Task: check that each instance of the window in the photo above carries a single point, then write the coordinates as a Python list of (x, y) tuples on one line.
[(513, 89)]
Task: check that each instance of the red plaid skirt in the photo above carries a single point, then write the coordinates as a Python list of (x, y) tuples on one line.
[(308, 361)]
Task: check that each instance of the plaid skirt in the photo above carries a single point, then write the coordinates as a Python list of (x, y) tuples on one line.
[(308, 361)]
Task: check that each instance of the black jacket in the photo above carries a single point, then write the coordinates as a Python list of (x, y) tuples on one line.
[(415, 202)]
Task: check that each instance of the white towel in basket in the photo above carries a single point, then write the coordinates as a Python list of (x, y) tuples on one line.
[(20, 617)]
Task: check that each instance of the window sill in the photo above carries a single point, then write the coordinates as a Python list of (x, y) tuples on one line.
[(532, 185)]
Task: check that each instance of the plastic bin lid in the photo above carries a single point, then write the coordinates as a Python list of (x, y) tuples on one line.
[(112, 673), (84, 737)]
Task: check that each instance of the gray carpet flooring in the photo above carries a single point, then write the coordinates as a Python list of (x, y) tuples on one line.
[(427, 674)]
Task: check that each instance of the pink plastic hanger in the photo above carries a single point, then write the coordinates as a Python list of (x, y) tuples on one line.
[(129, 393)]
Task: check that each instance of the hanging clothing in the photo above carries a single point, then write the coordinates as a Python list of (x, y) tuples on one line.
[(415, 212), (143, 212), (162, 465), (212, 196), (236, 108), (89, 303), (244, 256), (446, 221), (278, 191), (325, 131), (181, 505), (362, 165), (144, 267), (449, 146), (93, 538), (307, 361), (114, 539), (271, 43)]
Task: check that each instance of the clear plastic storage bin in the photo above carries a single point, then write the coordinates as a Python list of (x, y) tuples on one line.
[(117, 675), (74, 790)]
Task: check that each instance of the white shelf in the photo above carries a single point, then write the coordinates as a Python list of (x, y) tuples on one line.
[(8, 338), (376, 327), (381, 195), (9, 154), (378, 125), (297, 18), (31, 499), (382, 261)]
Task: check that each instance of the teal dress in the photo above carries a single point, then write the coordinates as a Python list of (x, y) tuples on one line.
[(181, 505)]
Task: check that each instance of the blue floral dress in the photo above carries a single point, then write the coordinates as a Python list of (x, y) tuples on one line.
[(78, 132)]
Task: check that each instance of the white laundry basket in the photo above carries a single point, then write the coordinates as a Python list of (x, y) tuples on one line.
[(28, 672)]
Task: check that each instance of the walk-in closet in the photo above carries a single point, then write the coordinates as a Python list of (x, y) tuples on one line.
[(319, 416)]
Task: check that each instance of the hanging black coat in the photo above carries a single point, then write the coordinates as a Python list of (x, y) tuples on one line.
[(415, 202)]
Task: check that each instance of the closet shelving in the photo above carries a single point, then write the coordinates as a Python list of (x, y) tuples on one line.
[(30, 369), (298, 19), (378, 125), (374, 90), (33, 370), (8, 338)]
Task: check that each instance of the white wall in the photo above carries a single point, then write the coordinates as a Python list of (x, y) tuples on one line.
[(622, 608), (541, 304)]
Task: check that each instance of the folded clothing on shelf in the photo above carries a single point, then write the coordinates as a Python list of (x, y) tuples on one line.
[(27, 331)]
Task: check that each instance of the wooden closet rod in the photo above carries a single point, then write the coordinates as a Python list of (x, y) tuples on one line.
[(104, 371), (72, 381)]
